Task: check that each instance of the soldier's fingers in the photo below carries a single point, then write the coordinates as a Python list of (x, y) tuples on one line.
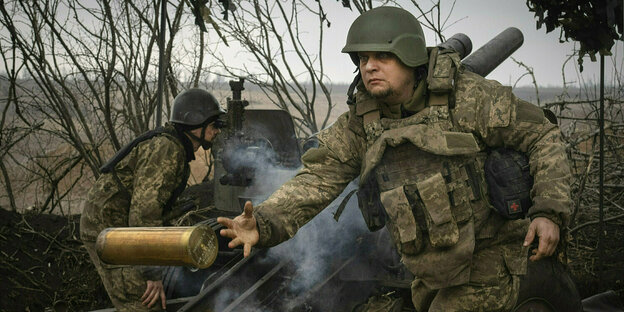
[(235, 242), (164, 298), (248, 209), (227, 222), (548, 245), (534, 256), (155, 298), (246, 250), (148, 299), (148, 291), (542, 249), (227, 233), (537, 254), (530, 236)]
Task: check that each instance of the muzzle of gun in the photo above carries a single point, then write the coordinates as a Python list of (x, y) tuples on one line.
[(195, 246)]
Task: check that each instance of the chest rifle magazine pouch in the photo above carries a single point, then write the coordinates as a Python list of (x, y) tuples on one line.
[(443, 230), (370, 205), (509, 182), (401, 222)]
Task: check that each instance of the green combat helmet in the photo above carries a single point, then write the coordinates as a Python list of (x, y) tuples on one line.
[(194, 107), (388, 29)]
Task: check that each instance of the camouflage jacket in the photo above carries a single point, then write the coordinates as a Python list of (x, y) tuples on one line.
[(482, 107), (150, 175)]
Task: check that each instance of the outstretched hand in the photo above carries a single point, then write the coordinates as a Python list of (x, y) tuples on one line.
[(548, 233), (153, 292), (242, 229)]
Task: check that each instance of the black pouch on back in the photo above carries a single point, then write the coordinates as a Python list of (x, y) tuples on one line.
[(509, 182)]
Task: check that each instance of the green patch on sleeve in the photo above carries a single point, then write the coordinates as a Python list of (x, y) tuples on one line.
[(528, 112), (315, 155)]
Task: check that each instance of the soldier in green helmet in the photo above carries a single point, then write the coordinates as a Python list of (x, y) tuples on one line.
[(417, 134), (139, 185)]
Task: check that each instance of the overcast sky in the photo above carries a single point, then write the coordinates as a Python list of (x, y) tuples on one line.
[(482, 20)]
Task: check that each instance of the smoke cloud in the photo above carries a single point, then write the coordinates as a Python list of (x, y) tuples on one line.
[(314, 250), (312, 253)]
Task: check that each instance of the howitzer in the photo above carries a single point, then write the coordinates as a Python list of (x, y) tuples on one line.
[(238, 172), (254, 140), (178, 211)]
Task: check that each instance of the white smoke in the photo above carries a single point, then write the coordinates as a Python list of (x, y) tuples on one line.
[(316, 247), (313, 251), (322, 240)]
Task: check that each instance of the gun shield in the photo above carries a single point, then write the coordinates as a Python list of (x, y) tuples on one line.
[(195, 246)]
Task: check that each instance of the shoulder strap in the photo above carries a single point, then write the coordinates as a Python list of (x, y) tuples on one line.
[(124, 151), (366, 109), (179, 189), (351, 90), (443, 66)]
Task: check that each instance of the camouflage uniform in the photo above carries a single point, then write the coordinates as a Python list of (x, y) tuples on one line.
[(151, 176), (429, 169)]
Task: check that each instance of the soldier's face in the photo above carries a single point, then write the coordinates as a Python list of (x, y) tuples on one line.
[(211, 132), (386, 77)]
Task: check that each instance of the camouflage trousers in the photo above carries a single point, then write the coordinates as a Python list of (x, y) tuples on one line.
[(492, 287), (460, 298), (124, 284), (468, 297)]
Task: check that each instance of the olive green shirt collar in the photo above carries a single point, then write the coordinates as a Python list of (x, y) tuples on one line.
[(414, 105)]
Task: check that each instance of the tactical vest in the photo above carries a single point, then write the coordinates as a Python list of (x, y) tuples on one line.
[(109, 167), (430, 181)]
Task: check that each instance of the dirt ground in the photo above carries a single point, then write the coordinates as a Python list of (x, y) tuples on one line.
[(43, 266)]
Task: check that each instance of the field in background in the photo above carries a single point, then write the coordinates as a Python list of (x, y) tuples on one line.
[(31, 190), (32, 243)]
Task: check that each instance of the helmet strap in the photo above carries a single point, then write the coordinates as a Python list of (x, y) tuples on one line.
[(204, 144)]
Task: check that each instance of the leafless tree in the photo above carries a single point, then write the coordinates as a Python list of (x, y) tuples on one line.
[(91, 74), (529, 72), (577, 110), (291, 71), (10, 132), (91, 70)]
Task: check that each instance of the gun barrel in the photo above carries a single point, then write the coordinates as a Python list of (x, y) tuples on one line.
[(195, 246), (494, 52)]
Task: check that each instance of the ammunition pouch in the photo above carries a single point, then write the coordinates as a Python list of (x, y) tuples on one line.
[(370, 205), (509, 182)]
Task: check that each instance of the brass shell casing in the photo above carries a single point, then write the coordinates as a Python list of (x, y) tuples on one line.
[(195, 246)]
